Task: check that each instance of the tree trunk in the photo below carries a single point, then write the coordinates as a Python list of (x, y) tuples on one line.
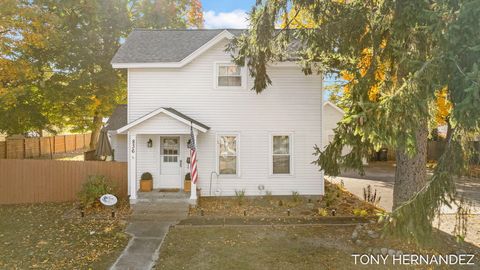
[(411, 172), (97, 126)]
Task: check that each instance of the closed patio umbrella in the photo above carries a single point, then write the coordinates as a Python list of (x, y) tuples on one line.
[(104, 148)]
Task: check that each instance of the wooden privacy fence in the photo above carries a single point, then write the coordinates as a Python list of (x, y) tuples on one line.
[(42, 146), (35, 181), (435, 149)]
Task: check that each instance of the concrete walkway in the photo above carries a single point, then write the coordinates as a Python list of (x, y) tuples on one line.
[(151, 218)]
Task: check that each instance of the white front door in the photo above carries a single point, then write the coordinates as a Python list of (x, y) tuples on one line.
[(170, 162)]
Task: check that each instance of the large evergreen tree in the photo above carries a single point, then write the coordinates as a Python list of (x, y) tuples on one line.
[(398, 58)]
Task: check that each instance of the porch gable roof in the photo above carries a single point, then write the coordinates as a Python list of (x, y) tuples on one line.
[(170, 112)]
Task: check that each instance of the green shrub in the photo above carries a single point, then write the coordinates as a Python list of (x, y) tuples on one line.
[(331, 196), (360, 212), (322, 212), (93, 189), (268, 195), (240, 196), (296, 196), (146, 176)]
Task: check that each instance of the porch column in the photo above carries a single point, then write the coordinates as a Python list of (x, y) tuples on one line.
[(193, 189), (132, 167)]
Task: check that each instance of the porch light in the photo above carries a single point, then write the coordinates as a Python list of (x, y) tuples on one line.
[(149, 143)]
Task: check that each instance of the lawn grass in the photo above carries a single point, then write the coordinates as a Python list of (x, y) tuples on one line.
[(264, 247), (289, 247), (247, 248), (77, 155), (40, 236)]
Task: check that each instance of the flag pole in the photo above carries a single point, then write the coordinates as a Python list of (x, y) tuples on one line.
[(193, 189)]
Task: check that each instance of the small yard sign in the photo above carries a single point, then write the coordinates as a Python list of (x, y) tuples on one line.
[(108, 200)]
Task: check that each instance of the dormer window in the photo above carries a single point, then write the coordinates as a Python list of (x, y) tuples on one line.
[(228, 75)]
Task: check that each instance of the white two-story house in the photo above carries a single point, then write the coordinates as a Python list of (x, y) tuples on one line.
[(178, 79)]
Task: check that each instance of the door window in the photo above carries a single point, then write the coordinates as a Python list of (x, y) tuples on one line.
[(169, 149)]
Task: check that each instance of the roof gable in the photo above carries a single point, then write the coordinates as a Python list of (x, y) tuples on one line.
[(167, 48), (170, 112), (328, 103)]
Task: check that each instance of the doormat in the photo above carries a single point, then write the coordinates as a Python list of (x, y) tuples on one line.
[(169, 190)]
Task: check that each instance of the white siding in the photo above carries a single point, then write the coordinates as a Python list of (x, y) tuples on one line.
[(293, 104), (148, 159), (161, 124), (331, 117)]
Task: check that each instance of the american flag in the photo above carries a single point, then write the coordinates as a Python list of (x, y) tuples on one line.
[(193, 157)]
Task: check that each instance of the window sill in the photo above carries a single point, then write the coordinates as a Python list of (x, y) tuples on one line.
[(281, 175), (230, 88), (228, 177)]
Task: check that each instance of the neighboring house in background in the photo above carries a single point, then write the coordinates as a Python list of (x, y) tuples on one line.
[(332, 114), (117, 120), (254, 142), (2, 137)]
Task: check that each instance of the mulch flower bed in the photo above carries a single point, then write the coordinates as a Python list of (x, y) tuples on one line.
[(273, 221), (336, 201)]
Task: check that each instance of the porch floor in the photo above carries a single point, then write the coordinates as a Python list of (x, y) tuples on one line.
[(157, 196)]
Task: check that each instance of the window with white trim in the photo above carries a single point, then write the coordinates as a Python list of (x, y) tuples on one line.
[(229, 76), (281, 154), (227, 155)]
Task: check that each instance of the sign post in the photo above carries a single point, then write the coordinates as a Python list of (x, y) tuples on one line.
[(109, 200)]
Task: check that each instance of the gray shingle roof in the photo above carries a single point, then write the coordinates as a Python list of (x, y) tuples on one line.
[(118, 118), (157, 46), (172, 110)]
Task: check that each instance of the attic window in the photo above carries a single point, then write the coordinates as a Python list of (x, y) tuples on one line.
[(229, 76)]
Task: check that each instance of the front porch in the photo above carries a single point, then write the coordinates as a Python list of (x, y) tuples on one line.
[(158, 144), (167, 159), (157, 195)]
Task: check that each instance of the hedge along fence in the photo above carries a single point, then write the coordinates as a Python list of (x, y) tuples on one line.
[(36, 181), (36, 147)]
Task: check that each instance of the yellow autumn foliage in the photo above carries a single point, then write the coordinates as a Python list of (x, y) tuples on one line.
[(298, 19), (302, 19), (444, 106)]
